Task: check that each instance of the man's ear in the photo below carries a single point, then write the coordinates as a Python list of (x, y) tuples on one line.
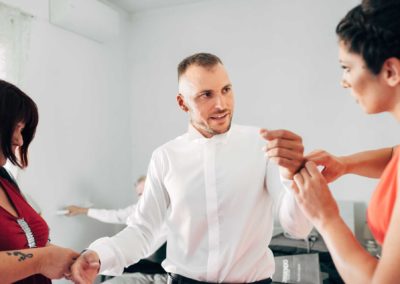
[(181, 102), (391, 69)]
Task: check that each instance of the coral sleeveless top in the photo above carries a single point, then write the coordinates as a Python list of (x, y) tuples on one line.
[(383, 199)]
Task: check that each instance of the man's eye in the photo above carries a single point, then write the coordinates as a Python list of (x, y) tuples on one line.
[(206, 94), (227, 89)]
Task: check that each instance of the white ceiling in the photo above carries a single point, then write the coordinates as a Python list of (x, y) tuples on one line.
[(142, 5)]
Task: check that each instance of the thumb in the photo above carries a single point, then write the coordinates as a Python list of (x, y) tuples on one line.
[(94, 265), (92, 259)]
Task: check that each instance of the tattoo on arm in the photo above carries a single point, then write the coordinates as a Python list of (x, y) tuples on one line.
[(22, 256)]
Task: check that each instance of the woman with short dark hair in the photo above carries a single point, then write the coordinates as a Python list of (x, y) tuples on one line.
[(25, 253), (369, 52)]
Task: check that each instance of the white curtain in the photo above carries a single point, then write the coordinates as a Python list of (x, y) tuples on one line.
[(15, 29)]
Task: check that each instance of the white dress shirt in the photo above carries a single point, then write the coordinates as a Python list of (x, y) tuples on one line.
[(113, 216), (121, 216), (212, 194)]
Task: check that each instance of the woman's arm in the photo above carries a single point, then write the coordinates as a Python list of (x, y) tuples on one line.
[(368, 163), (51, 261), (353, 262)]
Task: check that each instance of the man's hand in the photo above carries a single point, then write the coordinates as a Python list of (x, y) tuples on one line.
[(286, 149), (55, 261), (76, 210), (334, 167), (85, 268)]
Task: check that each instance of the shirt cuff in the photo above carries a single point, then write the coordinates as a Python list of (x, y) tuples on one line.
[(107, 253)]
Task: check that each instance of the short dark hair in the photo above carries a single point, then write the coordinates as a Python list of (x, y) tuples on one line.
[(200, 59), (372, 30), (15, 107)]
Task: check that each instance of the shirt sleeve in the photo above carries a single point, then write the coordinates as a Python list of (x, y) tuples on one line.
[(159, 241), (139, 238), (289, 214), (118, 216)]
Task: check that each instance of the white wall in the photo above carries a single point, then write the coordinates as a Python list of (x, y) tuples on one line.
[(82, 149), (282, 59)]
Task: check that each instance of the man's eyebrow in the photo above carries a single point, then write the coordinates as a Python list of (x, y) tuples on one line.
[(205, 91)]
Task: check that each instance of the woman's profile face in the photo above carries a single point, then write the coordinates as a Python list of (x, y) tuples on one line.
[(369, 90), (16, 141)]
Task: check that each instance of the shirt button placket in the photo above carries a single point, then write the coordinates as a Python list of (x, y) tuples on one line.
[(212, 210)]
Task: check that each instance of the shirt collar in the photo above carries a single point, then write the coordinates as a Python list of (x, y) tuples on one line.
[(196, 136)]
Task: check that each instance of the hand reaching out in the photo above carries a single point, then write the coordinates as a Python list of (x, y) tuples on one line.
[(334, 167), (76, 210), (56, 261)]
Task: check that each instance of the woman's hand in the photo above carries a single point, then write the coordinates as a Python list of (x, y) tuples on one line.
[(334, 167), (55, 262), (313, 196)]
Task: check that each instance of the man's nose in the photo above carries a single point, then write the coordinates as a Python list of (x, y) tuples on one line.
[(220, 102)]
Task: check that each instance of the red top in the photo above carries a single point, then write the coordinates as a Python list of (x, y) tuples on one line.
[(12, 236), (383, 199)]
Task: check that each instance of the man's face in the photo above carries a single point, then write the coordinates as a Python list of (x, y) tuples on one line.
[(206, 94)]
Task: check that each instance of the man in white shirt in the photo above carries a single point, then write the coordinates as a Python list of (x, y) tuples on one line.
[(210, 188), (113, 216)]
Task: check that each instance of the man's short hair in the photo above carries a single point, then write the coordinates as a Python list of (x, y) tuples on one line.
[(206, 60), (140, 179)]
